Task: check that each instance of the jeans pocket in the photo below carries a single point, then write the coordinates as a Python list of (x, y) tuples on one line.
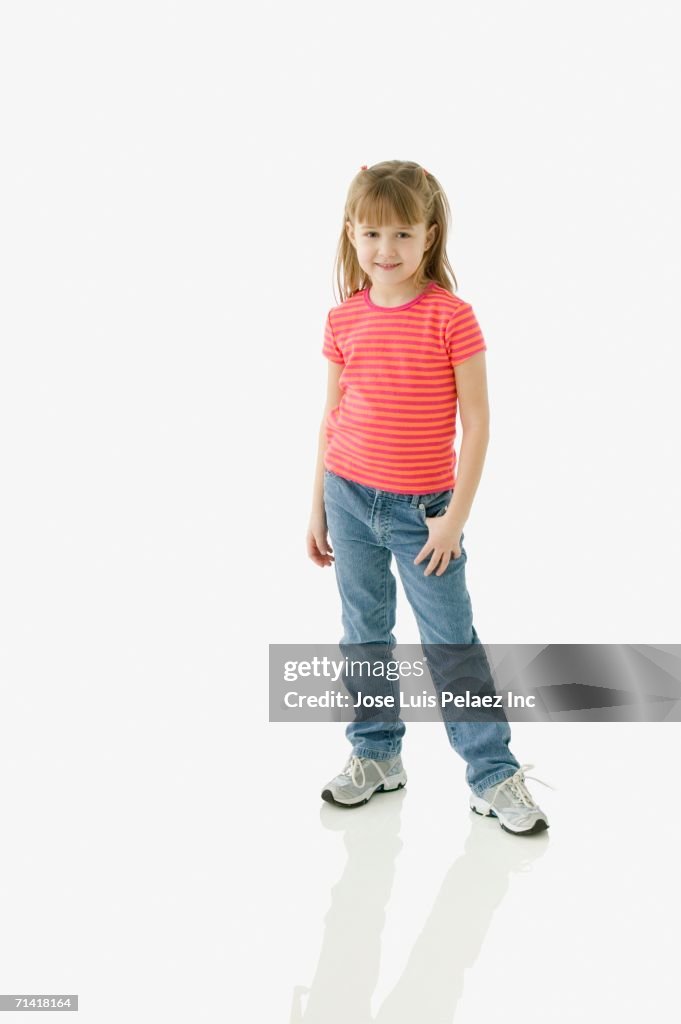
[(434, 505)]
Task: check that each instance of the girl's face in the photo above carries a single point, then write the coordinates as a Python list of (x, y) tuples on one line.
[(390, 254)]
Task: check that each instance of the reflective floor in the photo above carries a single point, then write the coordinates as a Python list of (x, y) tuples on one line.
[(413, 908), (163, 870)]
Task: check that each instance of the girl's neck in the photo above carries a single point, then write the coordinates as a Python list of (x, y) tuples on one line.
[(391, 297)]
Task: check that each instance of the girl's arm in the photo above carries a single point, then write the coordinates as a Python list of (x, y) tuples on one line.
[(317, 543), (471, 389)]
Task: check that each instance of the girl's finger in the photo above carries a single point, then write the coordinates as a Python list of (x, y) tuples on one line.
[(437, 555), (443, 565), (422, 553)]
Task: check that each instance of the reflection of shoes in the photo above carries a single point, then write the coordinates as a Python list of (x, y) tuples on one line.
[(376, 826), (361, 778), (496, 853), (512, 803), (297, 1004)]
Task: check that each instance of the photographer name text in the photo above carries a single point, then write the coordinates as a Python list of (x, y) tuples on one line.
[(335, 699)]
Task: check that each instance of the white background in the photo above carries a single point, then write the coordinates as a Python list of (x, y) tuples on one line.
[(173, 179)]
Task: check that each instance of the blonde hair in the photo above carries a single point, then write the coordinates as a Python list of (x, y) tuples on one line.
[(402, 192)]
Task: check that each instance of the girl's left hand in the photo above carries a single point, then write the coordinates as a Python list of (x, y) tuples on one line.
[(444, 541)]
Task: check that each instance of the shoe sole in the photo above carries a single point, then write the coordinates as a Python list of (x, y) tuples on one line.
[(539, 826), (399, 782)]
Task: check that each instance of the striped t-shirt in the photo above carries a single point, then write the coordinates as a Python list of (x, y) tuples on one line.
[(394, 426)]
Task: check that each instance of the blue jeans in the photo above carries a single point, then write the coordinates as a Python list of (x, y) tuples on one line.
[(366, 528)]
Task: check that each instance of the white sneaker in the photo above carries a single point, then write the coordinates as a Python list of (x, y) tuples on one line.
[(512, 803), (361, 778)]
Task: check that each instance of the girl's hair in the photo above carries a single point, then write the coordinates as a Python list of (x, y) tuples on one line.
[(401, 192)]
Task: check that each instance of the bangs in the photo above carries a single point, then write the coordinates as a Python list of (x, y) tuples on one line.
[(387, 203)]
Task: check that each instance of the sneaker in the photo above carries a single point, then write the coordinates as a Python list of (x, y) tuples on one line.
[(512, 803), (361, 778)]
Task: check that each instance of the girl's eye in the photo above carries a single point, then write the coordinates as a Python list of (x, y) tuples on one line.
[(405, 233)]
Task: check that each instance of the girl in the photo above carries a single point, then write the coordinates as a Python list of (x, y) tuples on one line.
[(403, 350)]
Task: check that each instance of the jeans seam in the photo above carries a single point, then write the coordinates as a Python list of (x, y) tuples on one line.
[(385, 596), (386, 570)]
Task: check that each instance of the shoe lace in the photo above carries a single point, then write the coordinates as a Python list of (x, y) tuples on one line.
[(354, 766), (515, 784)]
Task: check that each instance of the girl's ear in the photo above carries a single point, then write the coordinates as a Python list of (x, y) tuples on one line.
[(431, 234), (349, 231)]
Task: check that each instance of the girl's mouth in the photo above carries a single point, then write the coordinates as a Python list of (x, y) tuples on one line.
[(387, 266)]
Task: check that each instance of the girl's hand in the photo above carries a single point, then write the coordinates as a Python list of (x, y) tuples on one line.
[(444, 540), (317, 543)]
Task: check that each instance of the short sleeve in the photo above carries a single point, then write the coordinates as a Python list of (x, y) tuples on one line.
[(330, 348), (463, 337)]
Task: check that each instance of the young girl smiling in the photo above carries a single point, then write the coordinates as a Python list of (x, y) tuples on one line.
[(404, 352)]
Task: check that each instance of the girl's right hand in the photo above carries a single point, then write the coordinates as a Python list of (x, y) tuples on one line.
[(317, 542)]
